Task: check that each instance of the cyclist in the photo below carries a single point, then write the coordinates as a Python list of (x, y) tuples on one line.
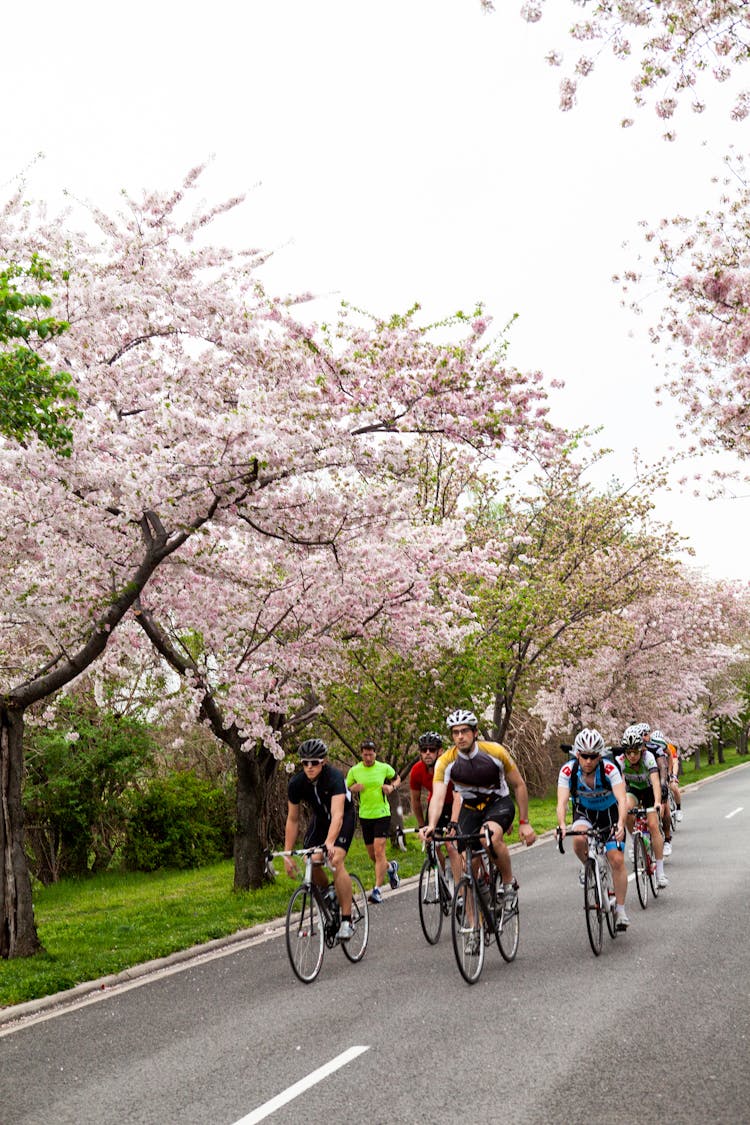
[(420, 781), (641, 773), (673, 761), (663, 763), (597, 791), (374, 781), (322, 788), (481, 773)]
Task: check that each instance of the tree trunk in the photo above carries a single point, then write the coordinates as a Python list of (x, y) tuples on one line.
[(18, 936), (742, 742), (720, 750), (697, 758), (255, 768)]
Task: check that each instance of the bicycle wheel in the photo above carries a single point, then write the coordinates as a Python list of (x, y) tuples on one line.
[(467, 930), (640, 866), (355, 947), (507, 932), (592, 906), (610, 907), (304, 934), (673, 811), (430, 904), (652, 875)]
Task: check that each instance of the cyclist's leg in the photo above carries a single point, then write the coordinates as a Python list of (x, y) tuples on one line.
[(616, 857), (657, 839), (316, 835), (580, 843), (499, 818)]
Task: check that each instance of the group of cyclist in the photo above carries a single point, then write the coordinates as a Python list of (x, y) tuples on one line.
[(468, 788), (606, 786)]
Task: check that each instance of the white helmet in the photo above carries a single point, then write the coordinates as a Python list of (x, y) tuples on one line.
[(461, 718), (632, 735), (588, 740), (658, 738)]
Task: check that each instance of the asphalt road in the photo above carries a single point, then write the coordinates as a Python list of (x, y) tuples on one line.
[(656, 1028)]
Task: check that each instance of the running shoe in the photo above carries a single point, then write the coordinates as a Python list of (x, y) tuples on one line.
[(393, 876), (375, 895)]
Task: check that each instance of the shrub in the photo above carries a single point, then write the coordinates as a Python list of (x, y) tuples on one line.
[(177, 821)]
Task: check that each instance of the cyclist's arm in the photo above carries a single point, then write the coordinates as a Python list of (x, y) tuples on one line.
[(620, 791), (521, 793), (563, 796), (435, 807), (656, 786), (338, 804), (291, 831), (416, 805)]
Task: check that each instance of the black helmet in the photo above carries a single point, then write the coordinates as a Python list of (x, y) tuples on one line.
[(430, 740), (313, 748)]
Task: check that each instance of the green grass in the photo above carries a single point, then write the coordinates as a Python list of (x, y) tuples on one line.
[(94, 927)]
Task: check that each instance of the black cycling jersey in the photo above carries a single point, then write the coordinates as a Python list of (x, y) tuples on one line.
[(317, 794)]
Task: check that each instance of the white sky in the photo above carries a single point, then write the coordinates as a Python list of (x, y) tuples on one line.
[(394, 151)]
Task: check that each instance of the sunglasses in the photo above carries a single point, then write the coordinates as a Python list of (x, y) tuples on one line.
[(428, 749), (588, 756), (311, 761)]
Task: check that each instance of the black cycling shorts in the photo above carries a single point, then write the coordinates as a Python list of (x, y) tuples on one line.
[(502, 811), (317, 831)]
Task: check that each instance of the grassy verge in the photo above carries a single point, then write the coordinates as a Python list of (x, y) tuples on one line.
[(94, 927)]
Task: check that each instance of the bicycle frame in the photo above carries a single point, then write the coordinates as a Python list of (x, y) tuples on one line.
[(314, 918), (598, 892), (479, 910)]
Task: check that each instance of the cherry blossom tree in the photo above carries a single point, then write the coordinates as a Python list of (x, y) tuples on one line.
[(558, 558), (213, 426), (703, 267), (672, 658), (673, 45)]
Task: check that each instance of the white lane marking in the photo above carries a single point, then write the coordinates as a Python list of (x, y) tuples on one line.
[(731, 814), (298, 1088)]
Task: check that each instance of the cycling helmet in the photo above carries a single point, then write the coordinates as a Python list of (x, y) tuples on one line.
[(644, 728), (632, 736), (313, 748), (588, 740), (461, 718), (430, 740), (658, 738)]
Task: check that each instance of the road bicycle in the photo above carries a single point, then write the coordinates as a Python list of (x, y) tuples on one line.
[(480, 911), (599, 902), (313, 919), (435, 892), (644, 864)]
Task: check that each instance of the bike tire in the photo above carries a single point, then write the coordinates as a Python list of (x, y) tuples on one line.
[(652, 878), (305, 936), (354, 948), (430, 902), (673, 811), (640, 867), (593, 908), (508, 931), (467, 930), (610, 912)]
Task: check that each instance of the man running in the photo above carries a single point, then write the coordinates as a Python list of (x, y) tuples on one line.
[(374, 781)]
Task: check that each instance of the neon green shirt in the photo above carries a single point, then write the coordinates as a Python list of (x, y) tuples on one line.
[(373, 802)]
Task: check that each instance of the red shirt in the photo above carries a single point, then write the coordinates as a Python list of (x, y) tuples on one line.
[(421, 778)]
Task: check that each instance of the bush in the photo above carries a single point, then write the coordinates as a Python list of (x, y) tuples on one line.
[(77, 772), (177, 821)]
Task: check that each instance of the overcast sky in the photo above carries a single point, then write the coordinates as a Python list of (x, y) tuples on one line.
[(393, 151)]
